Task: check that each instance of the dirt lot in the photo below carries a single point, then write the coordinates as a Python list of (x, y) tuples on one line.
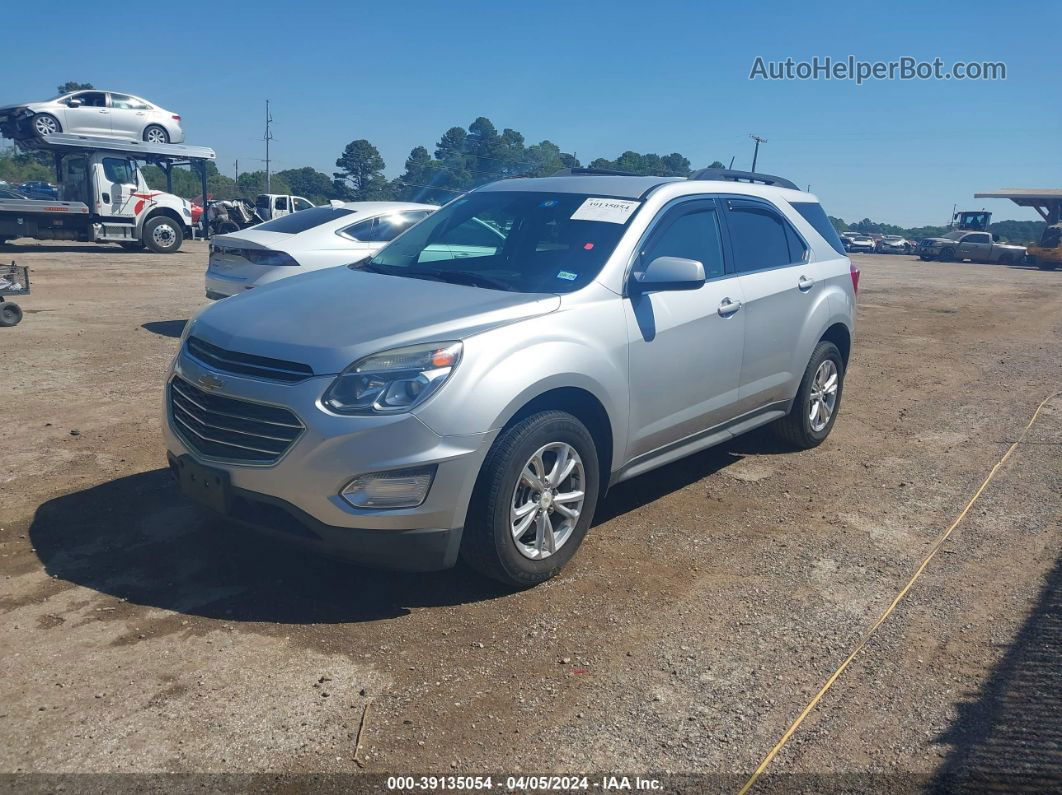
[(711, 600)]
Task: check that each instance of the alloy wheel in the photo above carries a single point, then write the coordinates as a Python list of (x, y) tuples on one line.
[(823, 397), (45, 125), (547, 500)]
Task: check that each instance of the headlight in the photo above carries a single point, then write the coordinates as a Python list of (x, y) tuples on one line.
[(393, 381)]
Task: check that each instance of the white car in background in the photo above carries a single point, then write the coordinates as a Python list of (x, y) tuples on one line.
[(320, 237), (93, 112)]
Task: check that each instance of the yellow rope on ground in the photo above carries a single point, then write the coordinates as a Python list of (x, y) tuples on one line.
[(892, 606)]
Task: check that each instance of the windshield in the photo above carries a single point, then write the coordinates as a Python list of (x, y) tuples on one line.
[(511, 240)]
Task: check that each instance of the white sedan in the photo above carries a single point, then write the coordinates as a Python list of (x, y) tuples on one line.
[(321, 237), (93, 112)]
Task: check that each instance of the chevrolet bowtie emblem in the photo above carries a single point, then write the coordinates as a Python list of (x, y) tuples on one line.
[(209, 382)]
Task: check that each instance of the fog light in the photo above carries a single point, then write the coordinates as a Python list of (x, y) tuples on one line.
[(398, 488)]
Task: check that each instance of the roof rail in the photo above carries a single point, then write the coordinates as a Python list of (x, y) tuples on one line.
[(594, 172), (729, 175)]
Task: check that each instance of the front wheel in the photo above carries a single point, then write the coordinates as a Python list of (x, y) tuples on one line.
[(46, 124), (154, 134), (947, 255), (162, 234), (10, 314), (534, 500), (817, 401)]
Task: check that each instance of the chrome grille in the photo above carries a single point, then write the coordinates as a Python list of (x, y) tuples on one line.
[(231, 429), (246, 364)]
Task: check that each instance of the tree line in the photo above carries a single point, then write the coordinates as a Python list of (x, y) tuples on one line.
[(1011, 231)]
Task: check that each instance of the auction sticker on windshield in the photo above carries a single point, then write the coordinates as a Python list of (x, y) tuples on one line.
[(612, 211)]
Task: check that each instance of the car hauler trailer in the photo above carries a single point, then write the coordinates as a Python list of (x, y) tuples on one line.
[(103, 197), (1048, 203)]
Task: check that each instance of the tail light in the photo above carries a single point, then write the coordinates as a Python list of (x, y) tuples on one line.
[(855, 277), (175, 117)]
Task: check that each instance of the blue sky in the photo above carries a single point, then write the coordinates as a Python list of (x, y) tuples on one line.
[(595, 78)]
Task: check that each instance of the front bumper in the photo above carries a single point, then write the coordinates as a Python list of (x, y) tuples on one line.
[(303, 486)]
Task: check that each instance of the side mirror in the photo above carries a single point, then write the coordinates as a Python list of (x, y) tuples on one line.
[(75, 103), (670, 273), (995, 238)]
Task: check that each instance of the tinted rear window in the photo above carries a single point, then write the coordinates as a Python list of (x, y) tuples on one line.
[(304, 219), (816, 216)]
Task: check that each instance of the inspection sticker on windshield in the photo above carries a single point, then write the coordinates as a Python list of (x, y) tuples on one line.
[(612, 211), (568, 276)]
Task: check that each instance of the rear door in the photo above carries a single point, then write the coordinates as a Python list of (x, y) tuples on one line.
[(684, 345), (281, 206), (779, 288), (128, 115)]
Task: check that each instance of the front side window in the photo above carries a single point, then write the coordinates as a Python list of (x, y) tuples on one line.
[(281, 203), (761, 238), (691, 235), (979, 238), (90, 99), (519, 241), (118, 170), (301, 204)]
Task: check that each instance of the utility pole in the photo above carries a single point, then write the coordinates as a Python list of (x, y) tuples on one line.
[(731, 161), (756, 152), (236, 178), (268, 138)]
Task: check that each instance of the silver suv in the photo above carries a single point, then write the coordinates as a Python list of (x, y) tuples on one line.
[(473, 389)]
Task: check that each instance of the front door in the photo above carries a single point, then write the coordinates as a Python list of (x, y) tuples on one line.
[(128, 116), (684, 345), (116, 182), (89, 116), (975, 247)]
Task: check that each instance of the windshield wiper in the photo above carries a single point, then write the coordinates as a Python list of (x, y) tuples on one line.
[(470, 278), (367, 265)]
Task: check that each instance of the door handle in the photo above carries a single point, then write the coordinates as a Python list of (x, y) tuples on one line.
[(728, 307), (804, 284)]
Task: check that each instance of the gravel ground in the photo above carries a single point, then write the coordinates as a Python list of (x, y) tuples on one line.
[(709, 603)]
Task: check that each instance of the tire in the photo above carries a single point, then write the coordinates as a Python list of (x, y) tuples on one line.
[(1045, 265), (46, 124), (10, 314), (797, 428), (489, 544), (925, 258), (947, 255), (162, 234), (156, 134), (227, 227)]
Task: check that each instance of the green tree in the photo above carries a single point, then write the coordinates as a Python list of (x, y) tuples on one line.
[(309, 183), (70, 85), (254, 182), (361, 169)]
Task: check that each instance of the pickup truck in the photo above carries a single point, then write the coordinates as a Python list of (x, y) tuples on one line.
[(275, 205), (962, 245), (103, 197)]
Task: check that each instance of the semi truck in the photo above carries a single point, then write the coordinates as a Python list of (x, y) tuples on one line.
[(103, 197)]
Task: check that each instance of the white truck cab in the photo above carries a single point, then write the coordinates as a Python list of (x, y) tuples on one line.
[(103, 197), (276, 205)]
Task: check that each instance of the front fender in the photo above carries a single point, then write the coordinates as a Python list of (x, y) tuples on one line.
[(582, 346)]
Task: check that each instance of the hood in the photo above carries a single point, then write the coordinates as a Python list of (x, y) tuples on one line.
[(330, 318)]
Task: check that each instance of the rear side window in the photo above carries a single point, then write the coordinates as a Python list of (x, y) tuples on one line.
[(761, 238), (693, 234), (816, 216), (307, 219), (388, 227)]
